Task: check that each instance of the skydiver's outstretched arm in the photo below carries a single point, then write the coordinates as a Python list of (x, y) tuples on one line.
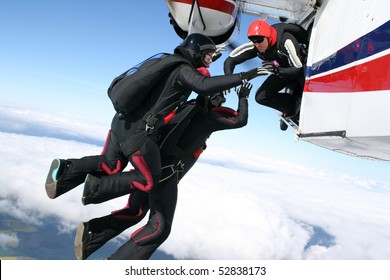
[(231, 62), (222, 118), (210, 85)]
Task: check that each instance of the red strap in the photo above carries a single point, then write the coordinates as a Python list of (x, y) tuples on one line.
[(169, 117), (204, 71), (198, 152), (225, 110)]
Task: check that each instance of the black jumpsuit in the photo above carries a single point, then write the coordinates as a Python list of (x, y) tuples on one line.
[(141, 148), (128, 139), (161, 200), (288, 75)]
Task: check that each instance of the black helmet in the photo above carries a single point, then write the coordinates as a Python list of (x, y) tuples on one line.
[(217, 99), (194, 47), (212, 101)]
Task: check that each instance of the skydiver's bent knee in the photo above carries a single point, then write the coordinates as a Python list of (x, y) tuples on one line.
[(152, 231), (144, 241), (144, 171), (261, 96)]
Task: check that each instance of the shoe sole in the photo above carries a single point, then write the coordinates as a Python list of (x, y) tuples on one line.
[(84, 199), (283, 127), (51, 180), (78, 242)]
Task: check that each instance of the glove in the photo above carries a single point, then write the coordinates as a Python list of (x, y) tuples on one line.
[(226, 91), (244, 90), (249, 75), (271, 66)]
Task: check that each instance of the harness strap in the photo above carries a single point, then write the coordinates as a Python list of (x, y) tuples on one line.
[(198, 152), (169, 170)]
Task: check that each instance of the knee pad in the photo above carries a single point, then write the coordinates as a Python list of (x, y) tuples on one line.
[(112, 163), (135, 210), (142, 167)]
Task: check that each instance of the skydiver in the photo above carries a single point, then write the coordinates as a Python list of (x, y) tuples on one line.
[(132, 137), (179, 152), (282, 47)]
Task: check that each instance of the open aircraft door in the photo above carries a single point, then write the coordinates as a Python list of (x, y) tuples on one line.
[(345, 104)]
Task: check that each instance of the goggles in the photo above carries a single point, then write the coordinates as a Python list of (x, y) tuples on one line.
[(257, 39)]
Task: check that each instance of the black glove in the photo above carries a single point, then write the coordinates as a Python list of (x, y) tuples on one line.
[(249, 75), (244, 90), (271, 66)]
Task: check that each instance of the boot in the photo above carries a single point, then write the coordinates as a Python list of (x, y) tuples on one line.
[(92, 235), (283, 125), (56, 181), (98, 190)]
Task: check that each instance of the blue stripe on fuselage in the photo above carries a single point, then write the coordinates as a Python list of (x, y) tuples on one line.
[(372, 43)]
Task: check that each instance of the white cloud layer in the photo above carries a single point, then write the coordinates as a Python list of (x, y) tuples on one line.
[(10, 240), (232, 205)]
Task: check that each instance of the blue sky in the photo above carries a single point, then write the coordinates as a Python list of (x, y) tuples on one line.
[(60, 57)]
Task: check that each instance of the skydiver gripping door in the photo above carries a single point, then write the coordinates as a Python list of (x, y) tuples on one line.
[(282, 47), (133, 133), (180, 150)]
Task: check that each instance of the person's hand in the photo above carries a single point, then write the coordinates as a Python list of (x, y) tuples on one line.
[(271, 66), (249, 75), (244, 90), (226, 91)]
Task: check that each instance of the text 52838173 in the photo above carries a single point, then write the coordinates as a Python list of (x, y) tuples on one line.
[(242, 270)]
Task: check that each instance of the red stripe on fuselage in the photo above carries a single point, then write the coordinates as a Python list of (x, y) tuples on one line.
[(221, 6), (372, 75)]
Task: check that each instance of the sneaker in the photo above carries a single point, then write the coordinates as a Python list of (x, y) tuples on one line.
[(81, 240), (283, 126), (92, 235), (55, 172)]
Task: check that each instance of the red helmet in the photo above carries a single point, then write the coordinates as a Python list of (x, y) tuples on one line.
[(259, 28), (262, 28)]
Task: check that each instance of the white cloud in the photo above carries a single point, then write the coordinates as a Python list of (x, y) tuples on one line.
[(8, 240), (265, 214), (232, 204), (26, 121), (24, 164)]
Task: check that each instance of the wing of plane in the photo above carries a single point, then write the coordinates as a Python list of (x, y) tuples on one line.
[(220, 19), (297, 11)]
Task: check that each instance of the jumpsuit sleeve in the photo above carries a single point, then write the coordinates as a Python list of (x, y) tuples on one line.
[(220, 121), (192, 79), (291, 72), (231, 62)]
